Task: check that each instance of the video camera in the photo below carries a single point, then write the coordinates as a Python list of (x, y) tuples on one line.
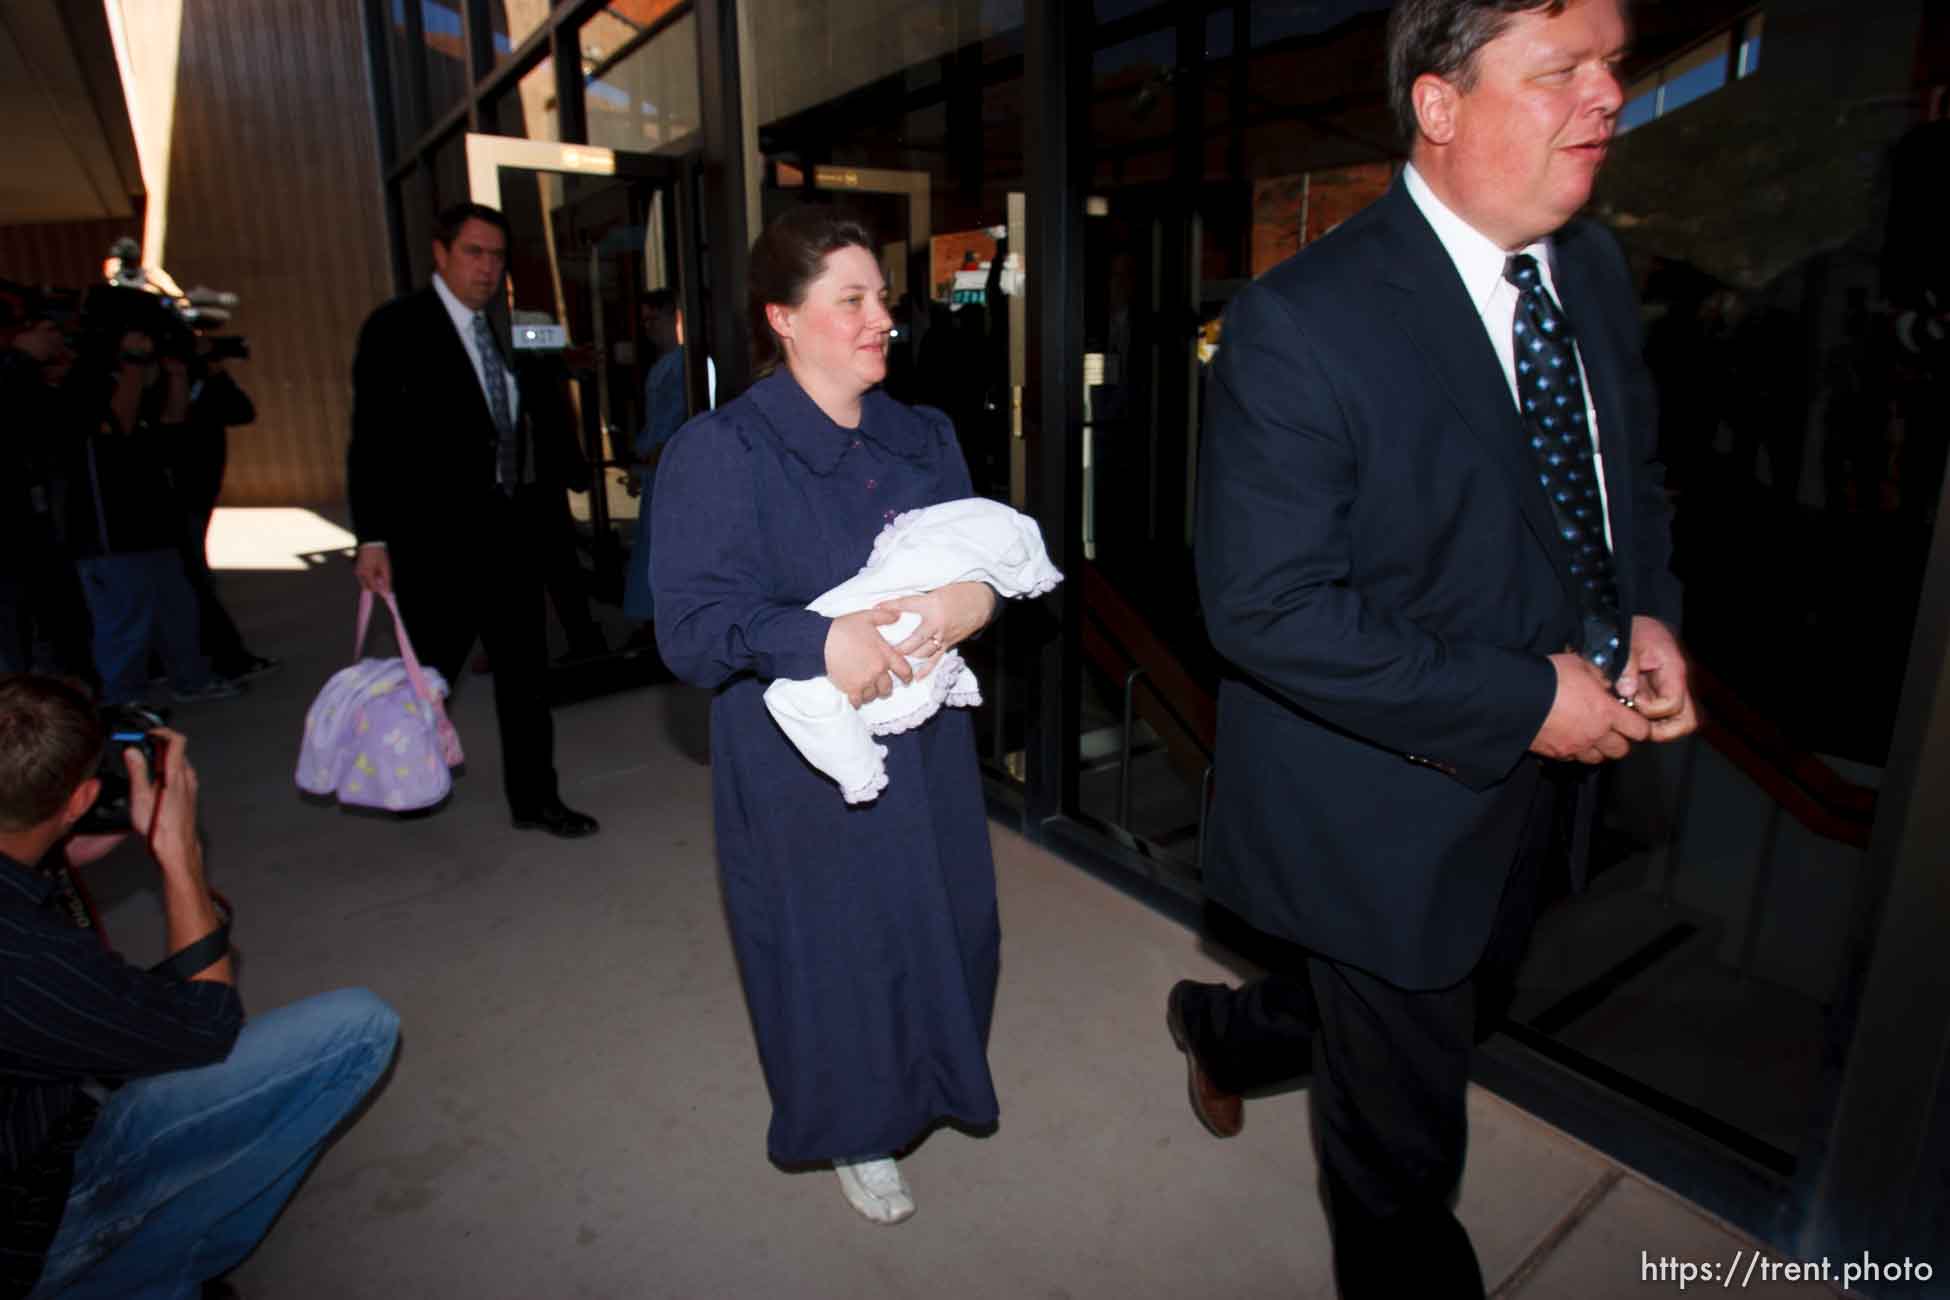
[(129, 727), (138, 298)]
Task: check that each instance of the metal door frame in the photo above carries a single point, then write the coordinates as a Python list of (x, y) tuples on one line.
[(487, 155)]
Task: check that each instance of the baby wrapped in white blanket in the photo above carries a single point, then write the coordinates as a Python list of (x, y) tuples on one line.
[(971, 540)]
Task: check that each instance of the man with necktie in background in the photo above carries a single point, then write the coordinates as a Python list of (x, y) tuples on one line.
[(456, 459), (1433, 547)]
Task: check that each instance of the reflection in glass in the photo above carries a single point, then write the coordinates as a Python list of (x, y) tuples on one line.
[(811, 51), (400, 64), (1750, 47), (417, 227), (445, 55), (620, 26), (450, 172), (1694, 73), (588, 252), (528, 112), (646, 99), (1281, 20), (1700, 73), (512, 22)]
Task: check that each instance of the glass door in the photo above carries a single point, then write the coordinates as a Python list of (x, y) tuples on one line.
[(601, 272)]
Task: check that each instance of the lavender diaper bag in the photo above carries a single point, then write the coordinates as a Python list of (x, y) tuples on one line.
[(378, 736)]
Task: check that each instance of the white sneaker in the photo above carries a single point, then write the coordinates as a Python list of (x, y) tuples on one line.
[(876, 1189)]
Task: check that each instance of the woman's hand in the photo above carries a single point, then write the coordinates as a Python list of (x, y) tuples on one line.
[(859, 659), (949, 616)]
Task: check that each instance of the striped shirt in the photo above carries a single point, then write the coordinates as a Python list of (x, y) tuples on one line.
[(73, 1013)]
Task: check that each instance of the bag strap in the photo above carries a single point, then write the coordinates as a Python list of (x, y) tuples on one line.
[(414, 673), (443, 726), (365, 617)]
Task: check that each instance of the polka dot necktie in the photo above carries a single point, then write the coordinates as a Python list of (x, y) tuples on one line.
[(1559, 435), (495, 377)]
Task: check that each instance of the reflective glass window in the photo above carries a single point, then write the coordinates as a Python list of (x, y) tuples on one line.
[(444, 55), (1279, 20), (807, 52), (1750, 47), (416, 215), (403, 70), (1700, 73), (513, 21), (645, 98), (1218, 34), (450, 172), (528, 111)]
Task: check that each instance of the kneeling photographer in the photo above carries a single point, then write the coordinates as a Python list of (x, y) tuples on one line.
[(148, 1135)]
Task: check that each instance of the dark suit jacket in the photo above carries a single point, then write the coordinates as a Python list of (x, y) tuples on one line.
[(1377, 563), (421, 465)]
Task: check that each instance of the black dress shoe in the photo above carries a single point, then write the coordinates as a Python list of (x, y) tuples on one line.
[(1222, 1113), (557, 819)]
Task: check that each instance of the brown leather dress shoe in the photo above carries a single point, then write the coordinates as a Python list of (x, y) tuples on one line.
[(1223, 1113)]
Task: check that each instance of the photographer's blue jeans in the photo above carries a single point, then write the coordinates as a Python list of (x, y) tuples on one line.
[(138, 599), (184, 1172)]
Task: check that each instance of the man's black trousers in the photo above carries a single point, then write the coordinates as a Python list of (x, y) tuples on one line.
[(483, 581), (1390, 1071)]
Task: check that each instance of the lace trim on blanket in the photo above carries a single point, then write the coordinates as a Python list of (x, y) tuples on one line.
[(870, 791), (950, 683)]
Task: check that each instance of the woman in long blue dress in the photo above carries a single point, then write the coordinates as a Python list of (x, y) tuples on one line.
[(866, 935)]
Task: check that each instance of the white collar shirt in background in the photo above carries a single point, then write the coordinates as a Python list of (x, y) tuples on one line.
[(1480, 263), (463, 318)]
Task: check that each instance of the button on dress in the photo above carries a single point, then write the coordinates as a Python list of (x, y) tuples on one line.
[(866, 935)]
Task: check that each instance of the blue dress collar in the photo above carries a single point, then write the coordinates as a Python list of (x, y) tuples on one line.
[(810, 434)]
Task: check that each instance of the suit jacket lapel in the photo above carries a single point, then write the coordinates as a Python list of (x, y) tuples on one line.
[(1434, 309), (1606, 353), (450, 354)]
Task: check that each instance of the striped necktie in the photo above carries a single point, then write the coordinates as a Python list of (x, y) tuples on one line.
[(496, 378)]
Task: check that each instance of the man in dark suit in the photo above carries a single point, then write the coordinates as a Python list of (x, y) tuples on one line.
[(457, 456), (1433, 548)]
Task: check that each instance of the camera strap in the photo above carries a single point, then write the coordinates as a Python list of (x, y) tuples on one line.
[(77, 904), (205, 952), (212, 947)]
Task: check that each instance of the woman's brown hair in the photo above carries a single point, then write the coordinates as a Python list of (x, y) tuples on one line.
[(787, 258)]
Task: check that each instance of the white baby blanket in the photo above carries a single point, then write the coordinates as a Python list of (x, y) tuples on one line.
[(971, 540)]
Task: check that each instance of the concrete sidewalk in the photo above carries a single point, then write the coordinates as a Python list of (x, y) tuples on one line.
[(577, 1110)]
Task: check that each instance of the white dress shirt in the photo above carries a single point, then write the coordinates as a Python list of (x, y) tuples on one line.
[(1480, 263), (463, 317)]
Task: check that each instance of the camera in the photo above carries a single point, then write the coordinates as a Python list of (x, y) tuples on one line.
[(129, 727), (227, 347), (110, 311), (147, 299)]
